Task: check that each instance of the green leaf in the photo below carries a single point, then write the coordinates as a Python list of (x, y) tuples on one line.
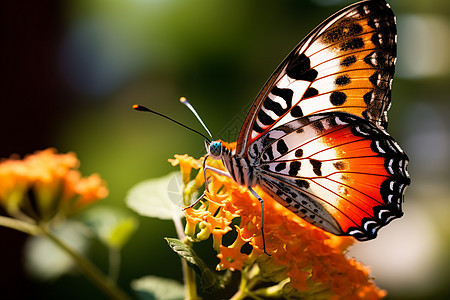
[(158, 198), (112, 225), (157, 288), (210, 279)]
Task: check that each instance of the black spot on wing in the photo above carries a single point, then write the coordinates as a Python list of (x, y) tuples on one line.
[(269, 153), (339, 165), (354, 29), (342, 31), (296, 112), (348, 61), (265, 167), (294, 167), (311, 92), (342, 80), (317, 165), (298, 153), (338, 98), (282, 147), (368, 97), (299, 68), (352, 44), (310, 75), (280, 167)]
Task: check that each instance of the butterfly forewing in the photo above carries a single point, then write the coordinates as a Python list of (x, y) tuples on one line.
[(335, 170), (345, 64)]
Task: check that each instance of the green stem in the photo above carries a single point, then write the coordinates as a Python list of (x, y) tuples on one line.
[(247, 284), (189, 281), (114, 263), (91, 271), (274, 291), (19, 225), (242, 292)]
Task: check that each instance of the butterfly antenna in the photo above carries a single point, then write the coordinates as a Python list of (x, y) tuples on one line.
[(191, 108), (145, 109)]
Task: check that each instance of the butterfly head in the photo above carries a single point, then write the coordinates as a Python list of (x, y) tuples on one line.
[(214, 149)]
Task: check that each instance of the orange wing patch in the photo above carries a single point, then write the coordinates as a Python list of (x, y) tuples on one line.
[(355, 174)]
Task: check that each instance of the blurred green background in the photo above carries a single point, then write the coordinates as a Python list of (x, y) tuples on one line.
[(71, 70)]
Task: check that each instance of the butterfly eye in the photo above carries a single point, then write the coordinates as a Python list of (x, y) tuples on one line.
[(215, 149)]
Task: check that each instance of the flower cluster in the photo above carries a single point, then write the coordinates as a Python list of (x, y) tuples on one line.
[(304, 262), (45, 185)]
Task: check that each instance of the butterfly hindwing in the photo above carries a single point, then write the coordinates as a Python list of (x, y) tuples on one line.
[(345, 64), (337, 171)]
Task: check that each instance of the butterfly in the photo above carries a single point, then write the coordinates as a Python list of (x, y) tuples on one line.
[(315, 138)]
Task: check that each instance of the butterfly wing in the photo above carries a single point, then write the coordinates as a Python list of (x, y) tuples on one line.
[(345, 64), (336, 170)]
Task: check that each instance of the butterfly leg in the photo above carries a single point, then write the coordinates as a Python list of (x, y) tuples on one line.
[(220, 172), (206, 167), (262, 217), (217, 171), (196, 201)]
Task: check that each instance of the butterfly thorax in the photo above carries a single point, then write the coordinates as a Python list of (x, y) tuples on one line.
[(238, 167)]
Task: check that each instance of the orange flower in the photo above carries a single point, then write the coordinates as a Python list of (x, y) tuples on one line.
[(188, 163), (312, 260), (45, 184)]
